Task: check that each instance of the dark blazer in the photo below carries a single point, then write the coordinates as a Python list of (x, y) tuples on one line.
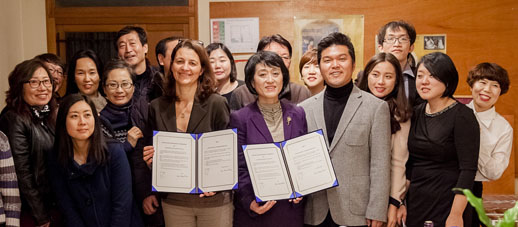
[(252, 129), (96, 195), (210, 115)]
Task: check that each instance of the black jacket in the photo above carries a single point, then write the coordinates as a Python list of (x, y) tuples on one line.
[(31, 141), (149, 84)]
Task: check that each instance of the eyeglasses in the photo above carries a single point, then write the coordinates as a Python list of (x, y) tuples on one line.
[(37, 83), (115, 86), (52, 71), (195, 41), (392, 40)]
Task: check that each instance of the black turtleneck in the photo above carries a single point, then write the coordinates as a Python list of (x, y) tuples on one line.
[(335, 100)]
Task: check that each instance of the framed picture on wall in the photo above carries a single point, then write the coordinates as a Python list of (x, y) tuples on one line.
[(240, 35), (309, 32)]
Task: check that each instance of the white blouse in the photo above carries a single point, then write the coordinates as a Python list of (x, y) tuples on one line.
[(496, 140)]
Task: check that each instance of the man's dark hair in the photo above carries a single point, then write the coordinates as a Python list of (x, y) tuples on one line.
[(395, 26), (51, 58), (128, 29), (335, 38), (267, 40), (267, 58), (161, 48), (442, 68)]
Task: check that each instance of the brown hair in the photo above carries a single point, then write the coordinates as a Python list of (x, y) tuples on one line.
[(490, 71), (400, 109), (309, 57), (206, 82), (22, 73)]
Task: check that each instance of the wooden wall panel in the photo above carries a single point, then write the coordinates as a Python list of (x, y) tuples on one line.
[(477, 30)]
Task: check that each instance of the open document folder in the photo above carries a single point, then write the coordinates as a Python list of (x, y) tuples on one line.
[(290, 169), (195, 163)]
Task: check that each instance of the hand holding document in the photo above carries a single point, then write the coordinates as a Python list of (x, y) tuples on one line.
[(195, 163), (290, 169)]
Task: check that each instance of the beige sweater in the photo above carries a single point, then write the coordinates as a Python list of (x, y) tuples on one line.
[(399, 158)]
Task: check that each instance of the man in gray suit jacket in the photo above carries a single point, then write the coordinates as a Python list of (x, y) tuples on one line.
[(356, 127)]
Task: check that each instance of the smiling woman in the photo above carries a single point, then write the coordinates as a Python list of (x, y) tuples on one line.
[(84, 77), (264, 121), (29, 125), (224, 68), (443, 147), (190, 105), (91, 178)]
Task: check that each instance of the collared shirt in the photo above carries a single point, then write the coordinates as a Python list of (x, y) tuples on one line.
[(496, 140), (407, 71)]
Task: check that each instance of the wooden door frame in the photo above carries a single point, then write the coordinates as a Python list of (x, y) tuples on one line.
[(87, 19)]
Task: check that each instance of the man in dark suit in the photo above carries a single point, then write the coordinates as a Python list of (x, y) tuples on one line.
[(356, 127), (397, 38), (294, 93)]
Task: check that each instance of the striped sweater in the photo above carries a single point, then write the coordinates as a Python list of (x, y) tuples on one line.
[(10, 204)]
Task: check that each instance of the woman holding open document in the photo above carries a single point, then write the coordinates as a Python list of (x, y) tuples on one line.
[(190, 105), (266, 120)]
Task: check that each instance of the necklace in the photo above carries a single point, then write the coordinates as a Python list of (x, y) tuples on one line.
[(185, 110)]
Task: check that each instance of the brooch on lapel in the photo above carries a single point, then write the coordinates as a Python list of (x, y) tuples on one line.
[(288, 119)]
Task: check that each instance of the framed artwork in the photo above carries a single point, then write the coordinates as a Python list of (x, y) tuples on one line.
[(309, 31)]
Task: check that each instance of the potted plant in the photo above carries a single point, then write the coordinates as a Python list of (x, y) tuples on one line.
[(510, 215)]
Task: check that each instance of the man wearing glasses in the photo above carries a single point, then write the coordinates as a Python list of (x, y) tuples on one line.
[(55, 67), (397, 38)]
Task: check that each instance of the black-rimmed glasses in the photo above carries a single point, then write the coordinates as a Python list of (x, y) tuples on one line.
[(37, 83)]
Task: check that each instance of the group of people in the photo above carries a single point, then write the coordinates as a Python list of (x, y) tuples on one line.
[(397, 137)]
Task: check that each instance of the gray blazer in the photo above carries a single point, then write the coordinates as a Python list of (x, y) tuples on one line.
[(360, 154)]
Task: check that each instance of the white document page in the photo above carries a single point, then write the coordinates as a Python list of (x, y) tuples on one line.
[(217, 158), (309, 163), (267, 171), (174, 168)]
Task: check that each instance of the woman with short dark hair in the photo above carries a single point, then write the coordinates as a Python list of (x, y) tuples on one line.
[(488, 81), (443, 146), (91, 178), (190, 105), (29, 125), (266, 120)]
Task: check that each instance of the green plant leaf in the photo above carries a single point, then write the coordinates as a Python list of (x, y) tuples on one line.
[(479, 207), (510, 216)]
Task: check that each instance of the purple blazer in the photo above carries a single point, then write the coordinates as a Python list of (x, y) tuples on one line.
[(252, 129)]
